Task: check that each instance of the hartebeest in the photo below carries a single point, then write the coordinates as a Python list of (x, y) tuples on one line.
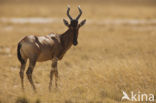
[(49, 47)]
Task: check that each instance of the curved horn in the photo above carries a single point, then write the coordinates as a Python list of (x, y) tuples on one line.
[(68, 13), (77, 18)]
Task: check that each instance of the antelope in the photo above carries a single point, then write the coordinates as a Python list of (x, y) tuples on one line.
[(49, 47)]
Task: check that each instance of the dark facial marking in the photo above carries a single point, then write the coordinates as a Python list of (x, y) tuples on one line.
[(74, 24), (75, 37)]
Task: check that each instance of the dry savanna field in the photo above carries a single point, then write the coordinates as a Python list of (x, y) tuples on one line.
[(116, 50)]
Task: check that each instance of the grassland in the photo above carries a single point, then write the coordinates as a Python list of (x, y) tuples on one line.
[(108, 59)]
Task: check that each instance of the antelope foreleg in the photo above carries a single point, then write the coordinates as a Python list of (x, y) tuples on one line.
[(56, 77), (53, 72), (51, 78)]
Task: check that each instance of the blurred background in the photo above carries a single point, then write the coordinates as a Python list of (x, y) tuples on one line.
[(116, 50)]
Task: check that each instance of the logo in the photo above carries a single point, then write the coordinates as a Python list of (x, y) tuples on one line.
[(137, 96)]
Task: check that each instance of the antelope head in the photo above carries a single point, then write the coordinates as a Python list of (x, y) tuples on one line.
[(74, 24)]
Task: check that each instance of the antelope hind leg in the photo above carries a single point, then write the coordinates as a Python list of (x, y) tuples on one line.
[(29, 73), (21, 73)]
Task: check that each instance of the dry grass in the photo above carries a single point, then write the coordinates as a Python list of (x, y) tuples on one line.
[(108, 59)]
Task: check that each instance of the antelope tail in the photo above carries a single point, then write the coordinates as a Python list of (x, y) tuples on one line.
[(19, 54)]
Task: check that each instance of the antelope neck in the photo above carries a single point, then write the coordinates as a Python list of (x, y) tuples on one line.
[(67, 38)]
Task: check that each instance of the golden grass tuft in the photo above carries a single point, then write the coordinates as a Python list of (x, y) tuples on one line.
[(22, 100)]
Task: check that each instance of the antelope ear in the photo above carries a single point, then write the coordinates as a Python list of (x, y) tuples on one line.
[(66, 22), (82, 22)]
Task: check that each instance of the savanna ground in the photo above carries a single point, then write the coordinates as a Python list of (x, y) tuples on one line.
[(116, 51)]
